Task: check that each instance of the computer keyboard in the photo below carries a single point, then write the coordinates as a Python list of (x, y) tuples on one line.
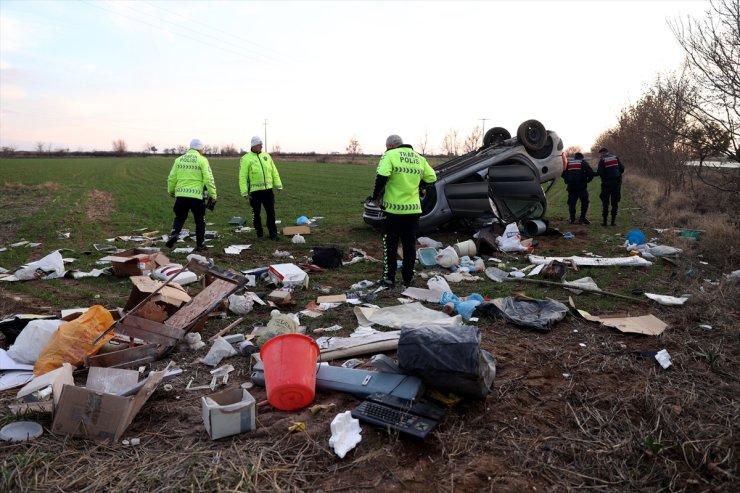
[(394, 414)]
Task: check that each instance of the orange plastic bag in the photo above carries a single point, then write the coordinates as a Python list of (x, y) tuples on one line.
[(73, 340)]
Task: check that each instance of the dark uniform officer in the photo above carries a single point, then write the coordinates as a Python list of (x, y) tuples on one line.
[(400, 172), (578, 174), (610, 170)]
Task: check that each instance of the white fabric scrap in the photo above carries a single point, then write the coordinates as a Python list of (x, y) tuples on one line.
[(345, 433), (667, 300)]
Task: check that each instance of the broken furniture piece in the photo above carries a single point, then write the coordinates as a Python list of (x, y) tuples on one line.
[(160, 336)]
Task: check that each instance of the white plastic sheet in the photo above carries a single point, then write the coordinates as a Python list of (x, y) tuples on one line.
[(593, 262), (409, 315)]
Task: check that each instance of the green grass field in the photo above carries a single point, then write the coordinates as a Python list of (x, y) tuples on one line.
[(99, 198)]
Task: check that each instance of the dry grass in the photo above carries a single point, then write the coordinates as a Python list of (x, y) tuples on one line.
[(704, 209), (48, 186)]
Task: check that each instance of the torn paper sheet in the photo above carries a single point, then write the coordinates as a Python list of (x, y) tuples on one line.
[(411, 315), (236, 249), (583, 283), (594, 262)]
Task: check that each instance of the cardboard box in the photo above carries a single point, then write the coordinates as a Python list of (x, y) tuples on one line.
[(136, 261), (228, 412), (94, 413), (288, 275), (172, 294), (279, 297), (296, 230)]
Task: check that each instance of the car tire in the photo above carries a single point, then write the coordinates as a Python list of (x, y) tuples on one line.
[(532, 135), (495, 136)]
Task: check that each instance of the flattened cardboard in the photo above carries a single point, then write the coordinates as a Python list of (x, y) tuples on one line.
[(296, 230), (98, 415), (421, 294), (646, 324), (333, 298)]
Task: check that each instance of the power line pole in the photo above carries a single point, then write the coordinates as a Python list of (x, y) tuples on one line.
[(483, 132), (266, 134)]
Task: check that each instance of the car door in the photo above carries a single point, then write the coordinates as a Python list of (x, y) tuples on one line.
[(468, 198), (515, 192)]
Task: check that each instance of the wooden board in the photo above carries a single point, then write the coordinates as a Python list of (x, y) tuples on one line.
[(204, 302)]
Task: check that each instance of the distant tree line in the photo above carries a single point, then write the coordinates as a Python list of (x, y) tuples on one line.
[(692, 114)]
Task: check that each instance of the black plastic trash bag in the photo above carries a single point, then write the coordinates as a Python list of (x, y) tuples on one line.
[(447, 358), (537, 314), (327, 257)]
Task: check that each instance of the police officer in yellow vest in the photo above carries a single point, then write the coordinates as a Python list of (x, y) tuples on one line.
[(257, 178), (190, 176), (401, 171)]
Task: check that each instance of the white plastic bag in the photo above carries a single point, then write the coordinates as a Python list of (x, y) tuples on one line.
[(438, 283), (49, 267), (298, 239), (241, 305), (447, 258), (32, 339), (428, 242), (510, 241), (221, 349)]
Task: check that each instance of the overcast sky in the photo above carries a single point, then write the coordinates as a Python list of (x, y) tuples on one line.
[(79, 74)]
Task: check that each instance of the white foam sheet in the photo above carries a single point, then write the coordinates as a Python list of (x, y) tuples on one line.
[(631, 261)]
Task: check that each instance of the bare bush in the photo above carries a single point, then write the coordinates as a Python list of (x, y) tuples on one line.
[(712, 47), (450, 143), (119, 147), (354, 148), (473, 141)]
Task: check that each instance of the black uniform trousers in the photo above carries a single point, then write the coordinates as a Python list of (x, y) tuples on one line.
[(576, 193), (611, 192), (403, 227), (182, 206), (266, 199)]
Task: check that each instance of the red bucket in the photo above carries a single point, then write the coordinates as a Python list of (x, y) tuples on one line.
[(290, 370)]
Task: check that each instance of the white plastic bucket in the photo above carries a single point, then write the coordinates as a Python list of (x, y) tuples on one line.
[(535, 227), (466, 248)]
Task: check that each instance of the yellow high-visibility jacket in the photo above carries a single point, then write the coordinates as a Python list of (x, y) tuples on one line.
[(190, 173), (257, 172)]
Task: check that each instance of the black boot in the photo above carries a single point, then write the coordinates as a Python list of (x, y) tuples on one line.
[(614, 220), (603, 221), (584, 220), (572, 220)]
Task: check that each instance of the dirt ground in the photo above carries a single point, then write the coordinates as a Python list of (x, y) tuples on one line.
[(578, 408)]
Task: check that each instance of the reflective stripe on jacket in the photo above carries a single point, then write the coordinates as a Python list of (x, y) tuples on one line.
[(189, 175), (257, 172), (577, 172), (610, 168), (405, 169)]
